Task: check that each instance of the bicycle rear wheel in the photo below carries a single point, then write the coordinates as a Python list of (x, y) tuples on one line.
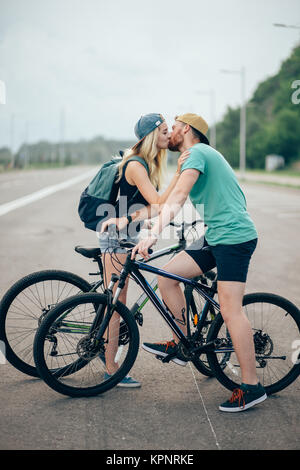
[(275, 324), (66, 354), (25, 305)]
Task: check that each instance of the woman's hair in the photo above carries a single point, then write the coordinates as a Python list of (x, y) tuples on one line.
[(156, 159)]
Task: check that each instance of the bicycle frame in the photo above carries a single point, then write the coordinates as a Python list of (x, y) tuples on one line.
[(169, 250), (133, 268), (143, 299)]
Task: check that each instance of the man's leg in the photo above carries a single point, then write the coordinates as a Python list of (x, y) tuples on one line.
[(230, 298), (250, 392), (171, 291), (172, 294)]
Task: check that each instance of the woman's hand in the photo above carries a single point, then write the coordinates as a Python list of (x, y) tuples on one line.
[(143, 246), (182, 158), (119, 223)]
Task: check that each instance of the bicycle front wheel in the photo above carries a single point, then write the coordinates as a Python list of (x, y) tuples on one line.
[(24, 307), (71, 360), (275, 323)]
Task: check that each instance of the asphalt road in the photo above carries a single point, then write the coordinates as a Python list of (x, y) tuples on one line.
[(176, 408)]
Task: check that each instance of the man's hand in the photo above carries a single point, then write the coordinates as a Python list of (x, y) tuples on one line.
[(120, 223), (143, 246)]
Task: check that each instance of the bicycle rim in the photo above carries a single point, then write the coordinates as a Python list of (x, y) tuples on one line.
[(24, 306)]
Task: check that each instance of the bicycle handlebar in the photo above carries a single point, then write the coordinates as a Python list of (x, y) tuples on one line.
[(185, 224), (126, 244)]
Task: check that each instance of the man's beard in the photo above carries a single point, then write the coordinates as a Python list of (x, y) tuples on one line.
[(174, 146)]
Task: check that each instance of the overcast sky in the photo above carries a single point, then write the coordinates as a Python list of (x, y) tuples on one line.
[(103, 63)]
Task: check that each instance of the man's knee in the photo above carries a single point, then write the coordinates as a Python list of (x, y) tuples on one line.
[(230, 308), (166, 282)]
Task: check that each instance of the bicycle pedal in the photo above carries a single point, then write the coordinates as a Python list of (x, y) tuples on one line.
[(164, 359), (168, 358)]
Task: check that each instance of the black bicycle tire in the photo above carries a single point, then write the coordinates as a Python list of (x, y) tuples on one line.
[(38, 348), (14, 291), (294, 372)]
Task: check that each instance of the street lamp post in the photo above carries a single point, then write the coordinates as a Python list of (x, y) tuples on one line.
[(243, 123), (290, 26), (212, 131), (242, 74)]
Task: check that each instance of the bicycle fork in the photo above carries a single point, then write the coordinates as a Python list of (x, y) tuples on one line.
[(99, 325)]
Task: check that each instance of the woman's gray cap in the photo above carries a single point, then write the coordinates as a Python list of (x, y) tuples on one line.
[(146, 124)]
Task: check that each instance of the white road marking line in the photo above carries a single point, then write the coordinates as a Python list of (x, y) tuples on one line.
[(23, 201), (206, 412)]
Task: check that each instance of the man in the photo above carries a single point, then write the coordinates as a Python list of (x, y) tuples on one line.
[(230, 240)]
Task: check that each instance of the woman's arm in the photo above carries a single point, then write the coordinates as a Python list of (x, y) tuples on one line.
[(136, 174), (168, 211)]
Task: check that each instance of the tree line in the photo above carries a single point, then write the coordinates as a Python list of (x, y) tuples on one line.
[(273, 119), (273, 127)]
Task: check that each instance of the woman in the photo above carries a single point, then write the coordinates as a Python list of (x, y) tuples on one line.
[(152, 132)]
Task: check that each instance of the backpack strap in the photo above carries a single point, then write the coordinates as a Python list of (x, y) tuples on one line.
[(140, 160), (144, 163)]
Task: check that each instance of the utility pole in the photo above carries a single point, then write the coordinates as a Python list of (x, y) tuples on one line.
[(12, 136), (26, 149), (62, 137)]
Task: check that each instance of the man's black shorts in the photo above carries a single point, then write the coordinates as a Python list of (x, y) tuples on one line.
[(232, 261)]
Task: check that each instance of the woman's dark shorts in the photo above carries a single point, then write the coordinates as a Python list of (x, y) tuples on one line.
[(232, 261)]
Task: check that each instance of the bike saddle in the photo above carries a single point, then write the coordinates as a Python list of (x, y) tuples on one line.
[(88, 252)]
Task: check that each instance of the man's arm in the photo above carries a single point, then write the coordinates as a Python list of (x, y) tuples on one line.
[(176, 199), (172, 206), (147, 212)]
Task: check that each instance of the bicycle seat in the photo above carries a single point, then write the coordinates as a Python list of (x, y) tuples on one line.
[(88, 252), (211, 275)]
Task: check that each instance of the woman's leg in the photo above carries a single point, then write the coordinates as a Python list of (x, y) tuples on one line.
[(114, 326)]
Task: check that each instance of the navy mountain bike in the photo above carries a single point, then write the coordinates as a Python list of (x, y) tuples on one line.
[(28, 301), (70, 345)]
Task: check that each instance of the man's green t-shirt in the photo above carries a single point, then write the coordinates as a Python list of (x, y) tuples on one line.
[(218, 198)]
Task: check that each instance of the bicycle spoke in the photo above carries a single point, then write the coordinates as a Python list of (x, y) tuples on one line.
[(275, 326), (27, 308), (72, 358)]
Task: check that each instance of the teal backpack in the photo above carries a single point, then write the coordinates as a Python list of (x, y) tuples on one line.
[(103, 189)]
